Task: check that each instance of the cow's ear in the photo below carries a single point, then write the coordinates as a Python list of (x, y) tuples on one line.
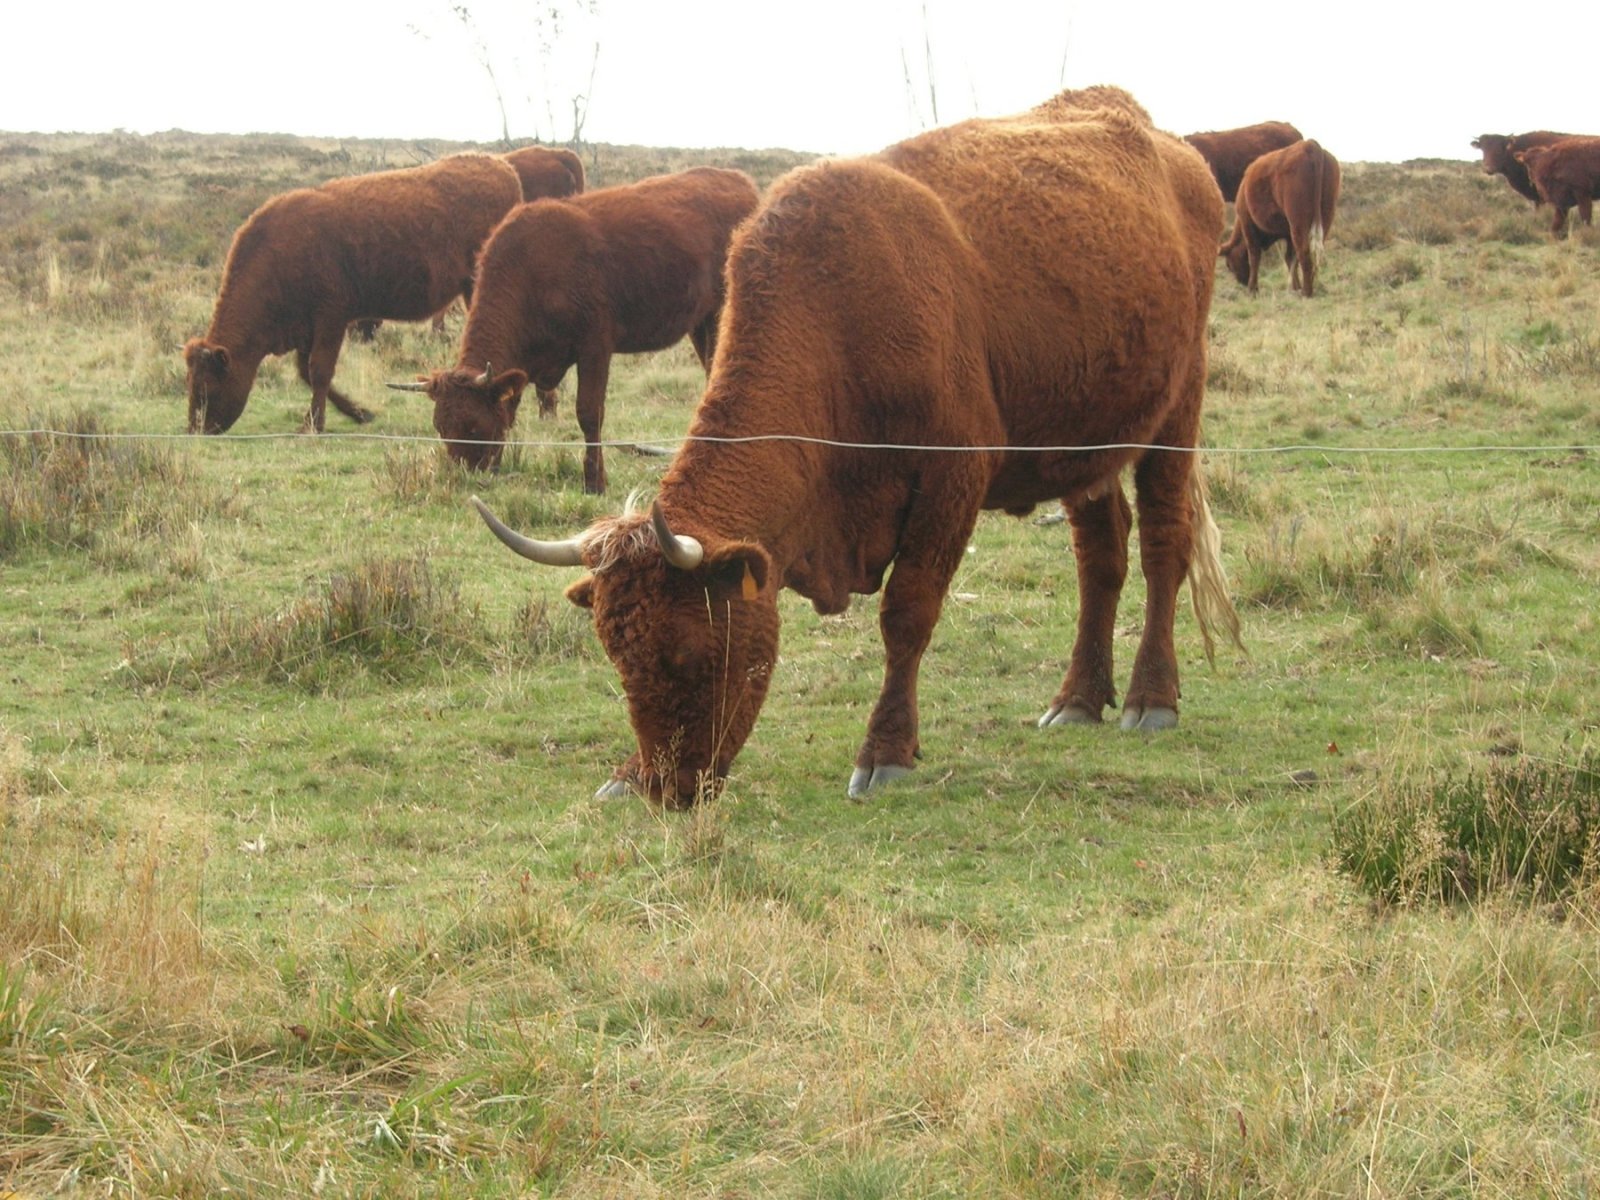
[(582, 592), (740, 568), (508, 385)]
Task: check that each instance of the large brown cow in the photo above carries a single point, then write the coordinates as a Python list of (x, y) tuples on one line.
[(990, 315), (1229, 151), (1289, 194), (547, 171), (571, 282), (394, 244), (1500, 152), (1566, 173)]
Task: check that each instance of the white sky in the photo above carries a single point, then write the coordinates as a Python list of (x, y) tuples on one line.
[(1372, 81)]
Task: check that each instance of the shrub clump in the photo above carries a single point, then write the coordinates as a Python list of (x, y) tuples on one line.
[(69, 480), (389, 615), (1526, 827)]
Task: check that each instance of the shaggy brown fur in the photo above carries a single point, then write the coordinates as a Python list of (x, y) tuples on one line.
[(1287, 194), (1037, 281), (1566, 173), (572, 282), (547, 171), (1500, 152), (395, 244), (1229, 151)]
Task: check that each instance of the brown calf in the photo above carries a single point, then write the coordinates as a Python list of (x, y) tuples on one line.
[(1500, 152), (395, 245), (566, 283), (1566, 173), (1287, 194)]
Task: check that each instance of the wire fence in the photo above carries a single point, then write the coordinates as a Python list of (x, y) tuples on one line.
[(670, 448)]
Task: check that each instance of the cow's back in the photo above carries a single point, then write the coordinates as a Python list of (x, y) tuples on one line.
[(393, 244), (1098, 235)]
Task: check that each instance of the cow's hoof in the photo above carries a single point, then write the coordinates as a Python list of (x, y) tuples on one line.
[(613, 789), (1068, 714), (1149, 720), (865, 779)]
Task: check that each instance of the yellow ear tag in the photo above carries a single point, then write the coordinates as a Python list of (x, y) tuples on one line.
[(750, 589)]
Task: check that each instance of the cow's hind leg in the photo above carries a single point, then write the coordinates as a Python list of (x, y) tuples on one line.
[(1100, 544), (316, 367), (1165, 544), (932, 543), (594, 369)]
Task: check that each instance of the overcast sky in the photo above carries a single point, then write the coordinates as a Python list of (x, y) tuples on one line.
[(1372, 81)]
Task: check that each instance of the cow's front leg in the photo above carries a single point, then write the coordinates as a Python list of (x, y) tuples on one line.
[(1100, 545), (931, 546)]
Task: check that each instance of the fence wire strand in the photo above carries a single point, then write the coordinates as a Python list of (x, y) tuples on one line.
[(636, 443)]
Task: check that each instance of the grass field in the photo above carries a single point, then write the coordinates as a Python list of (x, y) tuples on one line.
[(303, 890)]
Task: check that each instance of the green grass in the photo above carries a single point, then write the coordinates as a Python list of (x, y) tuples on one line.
[(303, 887)]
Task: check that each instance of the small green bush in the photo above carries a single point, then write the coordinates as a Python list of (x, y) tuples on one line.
[(1526, 827)]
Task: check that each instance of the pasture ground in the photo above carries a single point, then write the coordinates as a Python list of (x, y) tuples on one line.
[(303, 890)]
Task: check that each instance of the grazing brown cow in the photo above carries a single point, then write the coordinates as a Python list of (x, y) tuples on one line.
[(547, 171), (1290, 194), (990, 315), (395, 244), (572, 282), (1566, 173), (1500, 152), (1229, 151)]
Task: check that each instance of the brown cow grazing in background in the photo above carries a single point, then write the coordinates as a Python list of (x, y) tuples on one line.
[(394, 244), (571, 282), (1290, 194), (547, 171), (1566, 173), (1229, 151), (1500, 152), (893, 324)]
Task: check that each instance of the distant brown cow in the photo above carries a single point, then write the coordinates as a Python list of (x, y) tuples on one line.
[(911, 337), (394, 244), (572, 282), (1229, 151), (1566, 173), (547, 171), (1290, 194), (1500, 152)]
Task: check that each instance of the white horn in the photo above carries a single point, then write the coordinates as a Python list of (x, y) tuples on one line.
[(416, 385), (552, 554), (683, 552), (483, 380)]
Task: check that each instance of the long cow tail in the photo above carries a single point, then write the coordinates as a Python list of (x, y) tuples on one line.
[(1316, 213), (1208, 582)]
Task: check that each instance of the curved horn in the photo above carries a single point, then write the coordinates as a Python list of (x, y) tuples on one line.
[(683, 552), (552, 554), (483, 380), (417, 385)]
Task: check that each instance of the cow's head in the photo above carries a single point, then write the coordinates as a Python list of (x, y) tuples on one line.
[(1238, 255), (1496, 150), (219, 384), (692, 628), (473, 411)]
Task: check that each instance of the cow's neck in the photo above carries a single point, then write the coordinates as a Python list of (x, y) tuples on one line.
[(783, 494), (492, 341)]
